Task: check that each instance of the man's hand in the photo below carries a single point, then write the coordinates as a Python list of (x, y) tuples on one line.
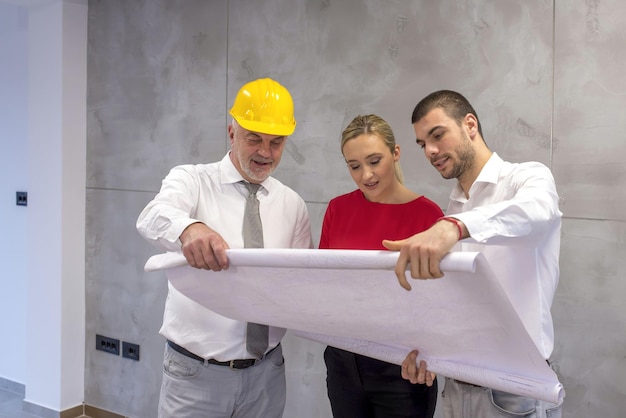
[(424, 251), (415, 374), (204, 248)]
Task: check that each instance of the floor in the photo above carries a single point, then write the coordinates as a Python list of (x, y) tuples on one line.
[(11, 405)]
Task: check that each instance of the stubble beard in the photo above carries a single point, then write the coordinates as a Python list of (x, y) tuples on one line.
[(246, 166), (465, 159)]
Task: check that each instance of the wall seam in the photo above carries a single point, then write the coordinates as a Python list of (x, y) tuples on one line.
[(553, 84)]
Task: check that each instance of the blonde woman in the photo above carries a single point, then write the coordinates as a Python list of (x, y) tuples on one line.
[(382, 207)]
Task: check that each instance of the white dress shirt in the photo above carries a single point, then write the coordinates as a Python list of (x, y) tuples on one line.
[(210, 193), (513, 218)]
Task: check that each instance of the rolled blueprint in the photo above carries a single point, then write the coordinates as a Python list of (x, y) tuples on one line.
[(309, 258), (462, 324)]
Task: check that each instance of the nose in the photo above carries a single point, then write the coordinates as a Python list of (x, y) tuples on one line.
[(367, 173), (265, 149), (430, 149)]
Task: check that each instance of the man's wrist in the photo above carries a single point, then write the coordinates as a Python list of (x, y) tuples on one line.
[(456, 222)]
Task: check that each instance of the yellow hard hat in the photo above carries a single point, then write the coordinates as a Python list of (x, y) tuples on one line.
[(264, 106)]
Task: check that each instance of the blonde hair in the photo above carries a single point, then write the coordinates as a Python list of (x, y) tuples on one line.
[(372, 124)]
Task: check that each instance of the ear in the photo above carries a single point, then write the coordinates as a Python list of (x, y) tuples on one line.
[(396, 153), (471, 124), (231, 133)]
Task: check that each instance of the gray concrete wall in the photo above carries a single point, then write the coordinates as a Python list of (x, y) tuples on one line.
[(546, 78)]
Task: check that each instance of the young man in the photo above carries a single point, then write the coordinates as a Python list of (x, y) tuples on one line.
[(507, 211), (209, 369)]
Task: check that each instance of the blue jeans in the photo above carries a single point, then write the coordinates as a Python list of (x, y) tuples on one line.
[(192, 389), (463, 400)]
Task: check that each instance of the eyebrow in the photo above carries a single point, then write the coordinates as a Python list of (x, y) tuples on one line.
[(434, 129), (376, 154), (254, 135), (430, 132)]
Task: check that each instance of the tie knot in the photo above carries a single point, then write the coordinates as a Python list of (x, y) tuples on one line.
[(252, 188)]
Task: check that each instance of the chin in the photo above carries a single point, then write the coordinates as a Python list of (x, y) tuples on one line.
[(260, 177)]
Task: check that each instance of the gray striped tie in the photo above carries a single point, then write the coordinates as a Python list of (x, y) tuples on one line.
[(257, 334)]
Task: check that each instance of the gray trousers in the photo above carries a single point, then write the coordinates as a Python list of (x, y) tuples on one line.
[(191, 389), (462, 400)]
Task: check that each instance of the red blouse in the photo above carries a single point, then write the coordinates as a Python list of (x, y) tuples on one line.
[(353, 223)]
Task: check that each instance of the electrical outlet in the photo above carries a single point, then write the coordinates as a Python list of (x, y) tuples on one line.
[(110, 345), (21, 198), (130, 350)]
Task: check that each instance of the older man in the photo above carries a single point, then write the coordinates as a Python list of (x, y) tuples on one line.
[(215, 366)]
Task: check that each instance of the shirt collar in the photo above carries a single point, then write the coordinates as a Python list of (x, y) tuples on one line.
[(489, 174), (491, 170)]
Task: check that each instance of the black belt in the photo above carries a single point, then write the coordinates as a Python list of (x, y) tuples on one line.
[(233, 364)]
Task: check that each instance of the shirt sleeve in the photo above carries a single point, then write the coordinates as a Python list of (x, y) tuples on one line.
[(170, 212), (302, 236), (526, 208)]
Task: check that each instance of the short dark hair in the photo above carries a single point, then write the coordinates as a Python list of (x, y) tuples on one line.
[(454, 104)]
